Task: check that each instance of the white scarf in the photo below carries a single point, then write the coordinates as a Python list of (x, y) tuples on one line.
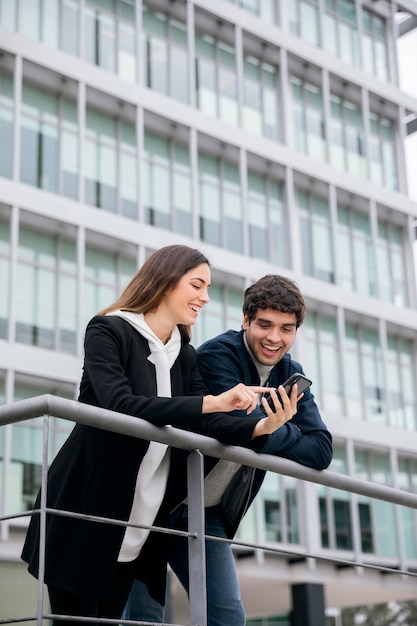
[(163, 355), (153, 472)]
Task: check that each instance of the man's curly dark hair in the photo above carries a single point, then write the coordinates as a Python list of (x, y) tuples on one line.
[(274, 292)]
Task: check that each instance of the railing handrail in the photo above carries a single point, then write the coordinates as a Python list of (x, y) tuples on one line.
[(75, 411)]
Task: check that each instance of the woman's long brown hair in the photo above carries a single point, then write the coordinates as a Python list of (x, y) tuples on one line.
[(160, 273)]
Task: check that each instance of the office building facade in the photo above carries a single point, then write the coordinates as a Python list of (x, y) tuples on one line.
[(270, 134)]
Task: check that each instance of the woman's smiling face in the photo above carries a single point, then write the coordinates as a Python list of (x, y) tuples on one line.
[(185, 301), (270, 334)]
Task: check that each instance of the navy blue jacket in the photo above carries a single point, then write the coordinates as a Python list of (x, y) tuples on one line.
[(224, 362)]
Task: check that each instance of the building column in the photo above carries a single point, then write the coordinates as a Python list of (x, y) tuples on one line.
[(307, 605)]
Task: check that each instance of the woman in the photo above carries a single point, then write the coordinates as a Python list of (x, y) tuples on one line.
[(138, 361)]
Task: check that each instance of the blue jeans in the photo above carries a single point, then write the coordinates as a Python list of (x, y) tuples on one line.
[(224, 604), (141, 607)]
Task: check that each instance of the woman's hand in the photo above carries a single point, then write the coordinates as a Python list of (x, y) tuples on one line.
[(283, 412), (240, 397)]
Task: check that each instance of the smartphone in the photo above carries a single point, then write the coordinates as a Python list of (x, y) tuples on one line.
[(302, 381)]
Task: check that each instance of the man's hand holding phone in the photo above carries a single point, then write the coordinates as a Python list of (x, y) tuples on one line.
[(278, 412), (290, 391), (280, 405)]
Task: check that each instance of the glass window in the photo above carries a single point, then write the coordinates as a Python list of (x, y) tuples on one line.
[(211, 322), (157, 188), (54, 23), (340, 34), (374, 45), (46, 310), (347, 143), (69, 150), (363, 359), (308, 118), (266, 220), (232, 208), (275, 515), (39, 20), (100, 161), (128, 165), (400, 383), (156, 56), (278, 495), (110, 164), (335, 509), (227, 84), (49, 141), (252, 106), (206, 85), (375, 405), (5, 277), (210, 199), (354, 251), (233, 308), (6, 125), (383, 165), (110, 36), (126, 52), (316, 236), (260, 107), (167, 184), (100, 32), (309, 22), (39, 138), (220, 203), (265, 9), (67, 296), (165, 54), (377, 518), (364, 505), (304, 20), (353, 368), (406, 479), (70, 34), (36, 304), (216, 80), (257, 218), (391, 263), (323, 361), (224, 311), (8, 14), (106, 274), (181, 193)]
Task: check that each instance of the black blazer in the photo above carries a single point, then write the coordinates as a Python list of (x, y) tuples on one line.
[(95, 471)]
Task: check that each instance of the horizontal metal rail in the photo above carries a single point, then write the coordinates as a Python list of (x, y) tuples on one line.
[(136, 427)]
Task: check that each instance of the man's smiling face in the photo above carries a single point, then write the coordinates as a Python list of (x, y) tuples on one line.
[(270, 334)]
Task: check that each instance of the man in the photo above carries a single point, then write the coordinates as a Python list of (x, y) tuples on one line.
[(258, 354)]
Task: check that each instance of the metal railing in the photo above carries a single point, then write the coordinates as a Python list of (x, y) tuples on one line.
[(198, 445)]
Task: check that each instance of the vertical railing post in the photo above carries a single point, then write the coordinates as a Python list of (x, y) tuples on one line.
[(197, 544), (42, 520)]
